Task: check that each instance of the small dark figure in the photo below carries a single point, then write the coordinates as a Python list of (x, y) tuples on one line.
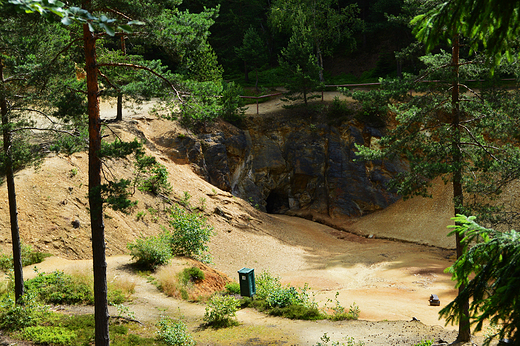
[(434, 300)]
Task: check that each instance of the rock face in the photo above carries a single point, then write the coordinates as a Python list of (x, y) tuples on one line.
[(284, 163)]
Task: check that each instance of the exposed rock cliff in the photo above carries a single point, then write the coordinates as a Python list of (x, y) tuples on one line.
[(294, 163)]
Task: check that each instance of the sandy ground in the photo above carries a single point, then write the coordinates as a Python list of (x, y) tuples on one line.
[(390, 281)]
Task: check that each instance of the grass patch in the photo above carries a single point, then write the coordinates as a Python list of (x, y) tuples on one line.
[(59, 330), (180, 285), (29, 257), (58, 287)]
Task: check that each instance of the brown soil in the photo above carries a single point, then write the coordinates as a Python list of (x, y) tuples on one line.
[(390, 281)]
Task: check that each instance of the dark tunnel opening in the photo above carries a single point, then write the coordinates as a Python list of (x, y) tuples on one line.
[(277, 202)]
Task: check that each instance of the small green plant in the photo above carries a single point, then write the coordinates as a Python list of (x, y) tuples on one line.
[(26, 314), (425, 343), (151, 252), (325, 339), (140, 215), (73, 172), (151, 175), (174, 333), (221, 311), (48, 335), (185, 199), (233, 288), (193, 274), (339, 312), (124, 311), (202, 204)]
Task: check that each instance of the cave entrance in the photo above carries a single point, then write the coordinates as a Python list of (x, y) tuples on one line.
[(277, 202)]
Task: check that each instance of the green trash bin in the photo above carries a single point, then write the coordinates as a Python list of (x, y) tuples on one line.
[(246, 278)]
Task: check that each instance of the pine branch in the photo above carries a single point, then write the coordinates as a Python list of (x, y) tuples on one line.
[(147, 69), (36, 111)]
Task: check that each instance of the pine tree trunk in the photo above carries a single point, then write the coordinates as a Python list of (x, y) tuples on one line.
[(95, 202), (119, 112), (11, 194), (458, 197)]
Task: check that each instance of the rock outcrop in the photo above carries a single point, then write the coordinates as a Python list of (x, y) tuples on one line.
[(285, 163)]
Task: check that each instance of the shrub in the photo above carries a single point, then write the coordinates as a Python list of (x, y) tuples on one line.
[(29, 256), (340, 313), (192, 274), (190, 234), (221, 311), (48, 335), (152, 176), (68, 144), (26, 314), (60, 288), (151, 252), (174, 333), (233, 288)]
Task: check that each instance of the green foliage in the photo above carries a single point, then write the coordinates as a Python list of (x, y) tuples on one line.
[(375, 103), (151, 175), (26, 314), (233, 288), (29, 257), (489, 274), (116, 195), (189, 234), (325, 339), (300, 65), (221, 311), (48, 335), (339, 110), (286, 301), (425, 343), (192, 274), (340, 313), (495, 24), (231, 104), (23, 154), (174, 333), (69, 144), (151, 252), (60, 288)]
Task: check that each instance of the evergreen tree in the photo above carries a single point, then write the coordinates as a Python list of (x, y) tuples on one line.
[(489, 273), (252, 51), (442, 132)]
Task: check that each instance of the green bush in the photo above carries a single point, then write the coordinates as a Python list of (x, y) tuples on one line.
[(174, 333), (297, 312), (151, 252), (190, 234), (29, 257), (65, 143), (26, 314), (325, 339), (48, 335), (60, 288), (340, 313), (221, 311), (151, 175), (192, 274), (233, 288)]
